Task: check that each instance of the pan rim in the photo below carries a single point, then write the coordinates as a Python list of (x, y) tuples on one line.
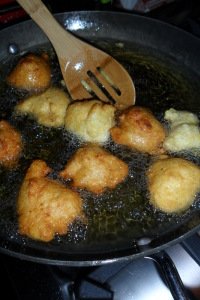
[(95, 260)]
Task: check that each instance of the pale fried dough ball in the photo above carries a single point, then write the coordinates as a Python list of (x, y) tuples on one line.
[(90, 120), (95, 169), (31, 73), (139, 130), (10, 144), (179, 117), (48, 108), (182, 137), (184, 133), (173, 184), (45, 206)]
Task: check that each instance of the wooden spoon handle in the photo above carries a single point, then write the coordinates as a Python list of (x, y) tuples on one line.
[(64, 43)]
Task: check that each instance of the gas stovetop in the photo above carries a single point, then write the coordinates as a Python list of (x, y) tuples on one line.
[(138, 279)]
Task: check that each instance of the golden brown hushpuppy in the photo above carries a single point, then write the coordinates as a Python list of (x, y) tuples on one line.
[(32, 73), (45, 206), (173, 184), (10, 144), (90, 120), (94, 169), (138, 129), (48, 108)]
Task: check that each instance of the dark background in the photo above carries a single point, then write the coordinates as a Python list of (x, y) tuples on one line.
[(182, 13)]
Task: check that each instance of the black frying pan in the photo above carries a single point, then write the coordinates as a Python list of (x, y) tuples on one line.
[(165, 64)]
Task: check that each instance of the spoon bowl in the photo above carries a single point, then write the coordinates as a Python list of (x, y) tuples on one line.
[(87, 70)]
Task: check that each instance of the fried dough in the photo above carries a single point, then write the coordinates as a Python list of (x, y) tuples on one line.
[(48, 108), (45, 206), (32, 73), (173, 184), (184, 132), (138, 129), (10, 144), (90, 120), (94, 169)]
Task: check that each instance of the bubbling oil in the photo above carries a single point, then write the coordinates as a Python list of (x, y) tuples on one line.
[(120, 214)]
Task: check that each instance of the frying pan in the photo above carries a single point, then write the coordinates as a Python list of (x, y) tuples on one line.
[(165, 65)]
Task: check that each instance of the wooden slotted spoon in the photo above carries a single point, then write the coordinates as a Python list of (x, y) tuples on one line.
[(86, 70)]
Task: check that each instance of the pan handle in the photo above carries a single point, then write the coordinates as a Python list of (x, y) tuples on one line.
[(170, 275), (192, 246)]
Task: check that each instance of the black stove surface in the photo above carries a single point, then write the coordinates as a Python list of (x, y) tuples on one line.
[(26, 280), (134, 279)]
